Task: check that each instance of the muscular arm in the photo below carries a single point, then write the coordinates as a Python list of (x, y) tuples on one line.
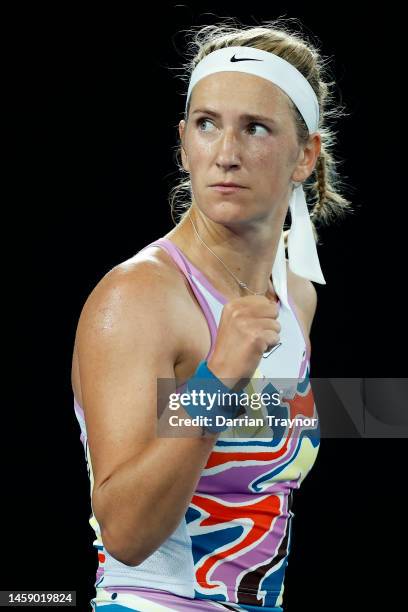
[(127, 337)]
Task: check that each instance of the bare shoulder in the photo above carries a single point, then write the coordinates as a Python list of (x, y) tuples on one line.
[(137, 284), (135, 304), (304, 295)]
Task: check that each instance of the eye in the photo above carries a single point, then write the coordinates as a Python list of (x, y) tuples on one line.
[(260, 125), (202, 120)]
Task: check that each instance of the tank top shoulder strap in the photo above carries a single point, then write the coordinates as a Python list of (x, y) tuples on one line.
[(183, 264), (173, 251)]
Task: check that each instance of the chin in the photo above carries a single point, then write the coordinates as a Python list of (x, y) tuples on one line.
[(227, 214)]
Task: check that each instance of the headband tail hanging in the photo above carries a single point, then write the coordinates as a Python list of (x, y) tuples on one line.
[(302, 251)]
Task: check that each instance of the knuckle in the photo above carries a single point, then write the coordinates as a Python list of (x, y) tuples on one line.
[(228, 307), (253, 337), (235, 312), (234, 309)]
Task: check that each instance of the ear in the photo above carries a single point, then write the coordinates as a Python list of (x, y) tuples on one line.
[(307, 158), (184, 160)]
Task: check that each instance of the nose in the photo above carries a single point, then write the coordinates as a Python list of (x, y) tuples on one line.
[(228, 154)]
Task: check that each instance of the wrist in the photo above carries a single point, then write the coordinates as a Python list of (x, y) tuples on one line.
[(219, 371), (217, 401)]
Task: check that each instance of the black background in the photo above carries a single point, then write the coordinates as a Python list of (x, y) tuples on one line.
[(93, 109)]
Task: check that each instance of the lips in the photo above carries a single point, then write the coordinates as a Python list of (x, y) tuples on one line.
[(227, 188), (226, 185)]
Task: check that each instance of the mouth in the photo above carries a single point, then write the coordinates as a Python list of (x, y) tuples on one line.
[(227, 187)]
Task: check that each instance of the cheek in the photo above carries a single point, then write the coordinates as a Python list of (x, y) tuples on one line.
[(266, 160), (259, 157), (200, 148), (270, 150)]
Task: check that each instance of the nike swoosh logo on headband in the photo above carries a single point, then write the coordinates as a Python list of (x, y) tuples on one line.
[(244, 59)]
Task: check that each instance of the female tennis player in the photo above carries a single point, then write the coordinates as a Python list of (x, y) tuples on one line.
[(201, 519)]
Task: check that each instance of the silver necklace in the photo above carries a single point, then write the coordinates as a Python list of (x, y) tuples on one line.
[(240, 283)]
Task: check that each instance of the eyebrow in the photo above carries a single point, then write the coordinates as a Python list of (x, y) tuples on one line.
[(246, 116)]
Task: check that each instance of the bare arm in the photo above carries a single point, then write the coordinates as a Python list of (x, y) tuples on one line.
[(127, 337)]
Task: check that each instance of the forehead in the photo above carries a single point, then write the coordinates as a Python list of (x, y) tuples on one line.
[(246, 91)]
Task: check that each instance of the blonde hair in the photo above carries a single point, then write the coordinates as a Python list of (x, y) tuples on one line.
[(322, 187)]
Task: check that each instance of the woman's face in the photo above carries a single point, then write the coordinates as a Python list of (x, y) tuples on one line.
[(262, 154)]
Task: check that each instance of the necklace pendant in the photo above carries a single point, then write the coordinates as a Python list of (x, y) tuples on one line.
[(243, 285)]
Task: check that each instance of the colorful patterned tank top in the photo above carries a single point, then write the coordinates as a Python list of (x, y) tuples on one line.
[(231, 549)]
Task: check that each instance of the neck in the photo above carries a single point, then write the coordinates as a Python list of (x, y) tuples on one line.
[(248, 251)]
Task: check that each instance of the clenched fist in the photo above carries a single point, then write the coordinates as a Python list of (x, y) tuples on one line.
[(248, 328)]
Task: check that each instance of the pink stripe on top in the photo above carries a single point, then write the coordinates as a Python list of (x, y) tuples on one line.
[(187, 267), (190, 271)]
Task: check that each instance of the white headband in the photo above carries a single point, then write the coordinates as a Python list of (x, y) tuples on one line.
[(268, 66), (303, 257)]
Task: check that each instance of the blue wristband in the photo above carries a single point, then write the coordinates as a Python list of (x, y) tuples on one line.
[(204, 380)]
